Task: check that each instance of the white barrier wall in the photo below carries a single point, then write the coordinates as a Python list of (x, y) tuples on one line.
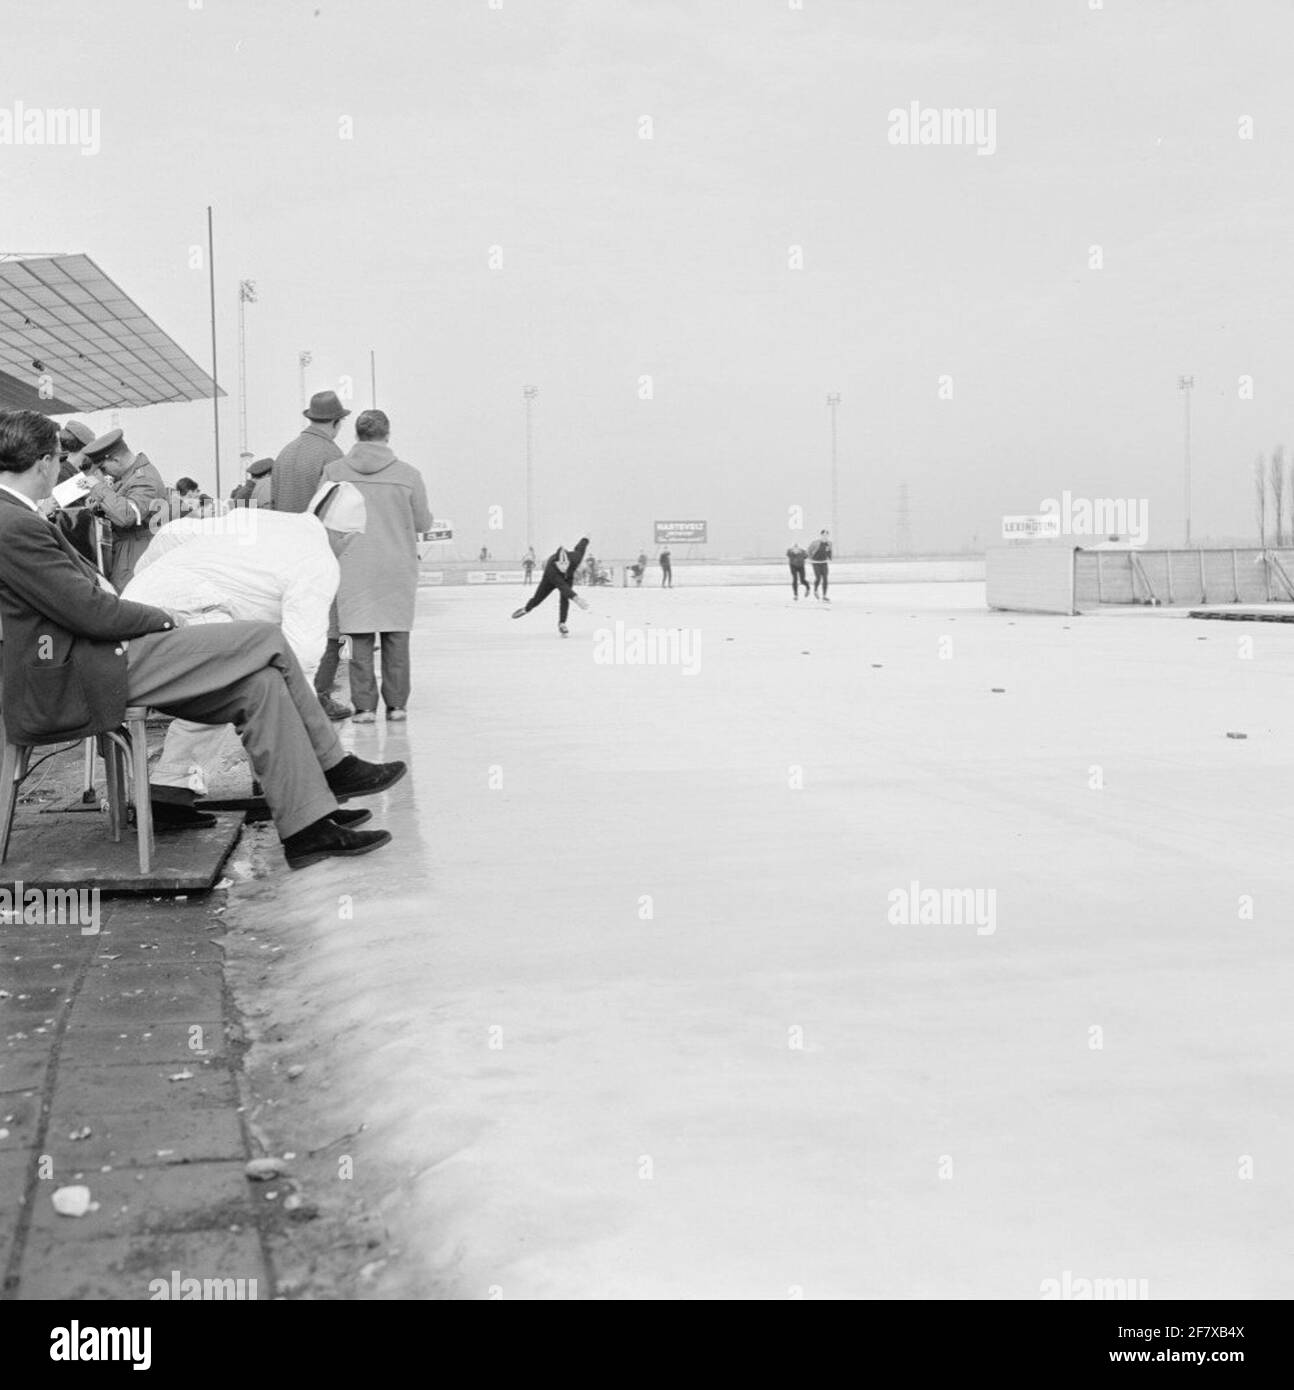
[(1032, 577), (1178, 577), (698, 575)]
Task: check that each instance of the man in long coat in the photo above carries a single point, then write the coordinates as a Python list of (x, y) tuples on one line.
[(293, 481), (379, 572), (128, 495)]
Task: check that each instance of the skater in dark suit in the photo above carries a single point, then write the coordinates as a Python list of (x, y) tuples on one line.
[(795, 557), (559, 572), (820, 556)]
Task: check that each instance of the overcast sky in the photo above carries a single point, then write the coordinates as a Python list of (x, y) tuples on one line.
[(520, 127)]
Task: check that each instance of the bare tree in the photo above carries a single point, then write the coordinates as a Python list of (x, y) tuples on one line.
[(1291, 494), (1277, 475), (1260, 499)]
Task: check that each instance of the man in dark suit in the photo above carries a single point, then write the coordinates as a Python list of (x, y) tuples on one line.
[(75, 655)]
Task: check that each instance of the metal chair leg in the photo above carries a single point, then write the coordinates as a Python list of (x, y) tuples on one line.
[(13, 768), (87, 784), (138, 730), (112, 772)]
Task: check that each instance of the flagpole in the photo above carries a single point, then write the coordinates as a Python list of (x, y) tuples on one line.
[(215, 381)]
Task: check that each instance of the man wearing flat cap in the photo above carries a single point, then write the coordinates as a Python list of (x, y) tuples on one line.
[(299, 467), (256, 486), (129, 491), (72, 439), (261, 474)]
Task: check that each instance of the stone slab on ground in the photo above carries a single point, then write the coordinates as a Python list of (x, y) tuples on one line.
[(76, 851), (92, 1031)]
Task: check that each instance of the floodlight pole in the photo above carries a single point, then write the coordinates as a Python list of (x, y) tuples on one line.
[(528, 394), (833, 403), (215, 381), (1185, 384), (246, 296)]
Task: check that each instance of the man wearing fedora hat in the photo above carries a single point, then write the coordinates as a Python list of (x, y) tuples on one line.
[(128, 493), (298, 471), (299, 467)]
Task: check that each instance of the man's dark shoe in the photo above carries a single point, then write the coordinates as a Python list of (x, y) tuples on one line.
[(324, 840), (335, 711), (174, 815), (351, 819), (354, 777)]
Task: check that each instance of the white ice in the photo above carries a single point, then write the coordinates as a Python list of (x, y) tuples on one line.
[(765, 1088)]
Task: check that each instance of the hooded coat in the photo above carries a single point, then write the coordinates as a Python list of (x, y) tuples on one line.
[(379, 569)]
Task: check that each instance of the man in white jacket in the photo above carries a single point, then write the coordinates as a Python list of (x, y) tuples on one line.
[(251, 563)]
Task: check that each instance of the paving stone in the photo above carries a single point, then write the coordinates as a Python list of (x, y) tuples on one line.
[(123, 1267), (85, 1043), (14, 1164), (135, 1113), (144, 1201), (31, 1005), (171, 993), (20, 1115), (22, 1067)]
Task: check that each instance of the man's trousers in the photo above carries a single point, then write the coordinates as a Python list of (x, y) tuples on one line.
[(245, 674), (546, 587), (396, 679), (325, 676)]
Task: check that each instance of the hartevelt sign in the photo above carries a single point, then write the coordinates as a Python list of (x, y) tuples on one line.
[(680, 532)]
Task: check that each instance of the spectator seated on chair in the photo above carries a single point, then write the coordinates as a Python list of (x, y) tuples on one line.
[(75, 655), (274, 567)]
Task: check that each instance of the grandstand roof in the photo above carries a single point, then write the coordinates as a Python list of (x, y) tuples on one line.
[(72, 340)]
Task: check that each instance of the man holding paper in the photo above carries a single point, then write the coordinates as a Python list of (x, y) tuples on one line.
[(127, 495)]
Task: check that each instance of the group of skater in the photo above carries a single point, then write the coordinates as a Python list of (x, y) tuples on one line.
[(563, 565), (819, 556)]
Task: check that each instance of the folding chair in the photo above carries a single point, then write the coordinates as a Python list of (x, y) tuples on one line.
[(125, 759)]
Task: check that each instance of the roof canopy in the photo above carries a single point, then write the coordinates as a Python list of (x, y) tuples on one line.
[(72, 340)]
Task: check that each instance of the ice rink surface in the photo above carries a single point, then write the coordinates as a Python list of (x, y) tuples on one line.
[(625, 1012)]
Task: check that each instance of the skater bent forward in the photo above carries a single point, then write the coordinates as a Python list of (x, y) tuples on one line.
[(559, 571)]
